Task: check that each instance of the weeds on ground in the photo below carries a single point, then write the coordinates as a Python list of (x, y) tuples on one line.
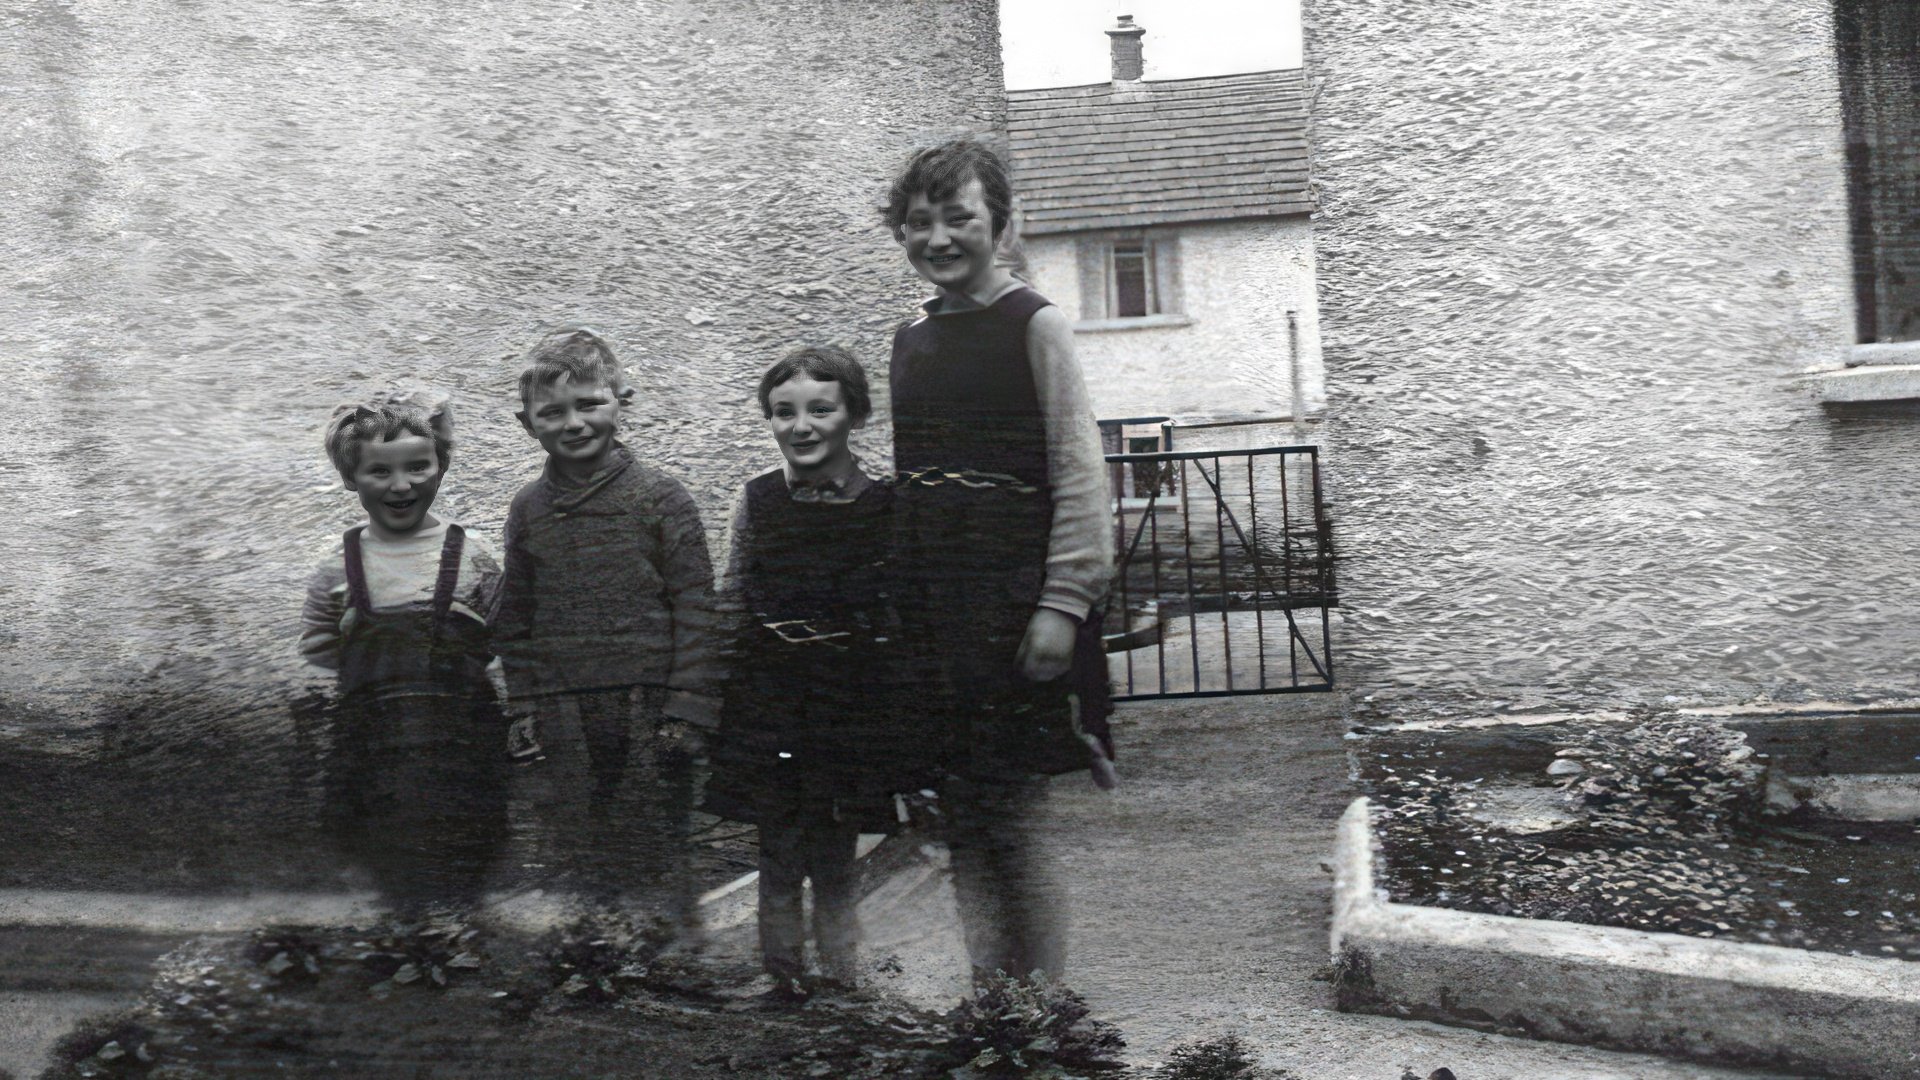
[(1032, 1028), (430, 952), (602, 960), (114, 1046), (1224, 1058), (293, 999)]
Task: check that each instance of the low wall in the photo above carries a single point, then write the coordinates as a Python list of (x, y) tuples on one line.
[(1665, 993)]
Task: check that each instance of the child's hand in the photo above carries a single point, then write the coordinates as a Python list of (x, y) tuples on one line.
[(522, 741), (1047, 650)]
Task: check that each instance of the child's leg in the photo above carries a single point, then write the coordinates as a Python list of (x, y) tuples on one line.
[(656, 831), (606, 723), (830, 851), (1013, 913), (603, 853), (553, 791), (345, 776), (783, 867), (395, 805), (471, 826)]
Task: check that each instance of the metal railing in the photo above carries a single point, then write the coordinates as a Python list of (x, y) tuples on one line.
[(1241, 534)]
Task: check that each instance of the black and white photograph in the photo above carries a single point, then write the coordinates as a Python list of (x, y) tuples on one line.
[(960, 539)]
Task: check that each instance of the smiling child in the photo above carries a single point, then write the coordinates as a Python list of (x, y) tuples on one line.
[(811, 747), (606, 626), (1005, 543), (415, 783)]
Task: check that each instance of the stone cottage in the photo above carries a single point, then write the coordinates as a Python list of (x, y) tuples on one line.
[(1171, 220)]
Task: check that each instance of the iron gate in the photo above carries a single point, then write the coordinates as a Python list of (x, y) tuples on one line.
[(1224, 582)]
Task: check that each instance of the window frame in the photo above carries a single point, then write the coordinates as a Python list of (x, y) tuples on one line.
[(1143, 249), (1099, 258)]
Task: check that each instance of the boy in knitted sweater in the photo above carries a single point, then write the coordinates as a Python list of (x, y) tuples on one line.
[(606, 626)]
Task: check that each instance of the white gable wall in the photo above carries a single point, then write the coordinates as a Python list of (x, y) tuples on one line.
[(1238, 281)]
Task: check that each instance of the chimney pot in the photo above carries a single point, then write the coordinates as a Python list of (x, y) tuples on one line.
[(1127, 64)]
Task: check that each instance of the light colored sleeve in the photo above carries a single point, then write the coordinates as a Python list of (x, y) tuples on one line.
[(479, 586), (320, 617), (738, 542), (1080, 545), (479, 576)]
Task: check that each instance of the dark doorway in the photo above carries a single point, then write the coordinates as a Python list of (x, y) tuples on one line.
[(1879, 53)]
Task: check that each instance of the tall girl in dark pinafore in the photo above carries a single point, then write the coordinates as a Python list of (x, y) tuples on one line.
[(1004, 549)]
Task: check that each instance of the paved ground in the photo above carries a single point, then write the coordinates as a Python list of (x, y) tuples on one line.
[(1199, 907)]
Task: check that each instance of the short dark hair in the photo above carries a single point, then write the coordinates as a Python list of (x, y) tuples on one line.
[(427, 415), (578, 355), (942, 170), (823, 363)]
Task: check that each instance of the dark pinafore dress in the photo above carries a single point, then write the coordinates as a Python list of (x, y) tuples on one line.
[(418, 783), (816, 718), (974, 514)]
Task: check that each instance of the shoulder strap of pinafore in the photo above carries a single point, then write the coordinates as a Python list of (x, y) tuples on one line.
[(449, 580), (356, 572)]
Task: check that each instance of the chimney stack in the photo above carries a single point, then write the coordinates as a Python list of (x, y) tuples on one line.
[(1126, 50)]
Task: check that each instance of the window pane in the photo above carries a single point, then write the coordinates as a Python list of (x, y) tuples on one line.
[(1130, 278), (1881, 112)]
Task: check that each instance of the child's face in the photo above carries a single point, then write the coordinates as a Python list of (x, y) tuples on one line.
[(950, 241), (575, 423), (396, 481), (811, 422)]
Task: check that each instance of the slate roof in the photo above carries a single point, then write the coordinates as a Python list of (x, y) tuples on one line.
[(1151, 153)]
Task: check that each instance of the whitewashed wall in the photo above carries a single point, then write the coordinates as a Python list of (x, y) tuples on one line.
[(1569, 256), (1238, 281)]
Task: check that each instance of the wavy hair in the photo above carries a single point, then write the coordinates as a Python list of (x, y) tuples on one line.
[(426, 413)]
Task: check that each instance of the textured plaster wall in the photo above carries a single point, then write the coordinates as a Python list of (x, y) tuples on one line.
[(1567, 253), (1238, 280), (317, 202), (221, 220)]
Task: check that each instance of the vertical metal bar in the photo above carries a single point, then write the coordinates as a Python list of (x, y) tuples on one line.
[(1286, 570), (1259, 588), (1220, 535), (1286, 529), (1193, 617), (1326, 643), (1326, 568), (1125, 565), (1166, 436), (1159, 638)]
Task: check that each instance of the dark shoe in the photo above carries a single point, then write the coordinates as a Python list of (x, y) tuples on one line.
[(788, 992)]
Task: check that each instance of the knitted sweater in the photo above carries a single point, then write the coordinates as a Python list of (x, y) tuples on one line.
[(608, 584)]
